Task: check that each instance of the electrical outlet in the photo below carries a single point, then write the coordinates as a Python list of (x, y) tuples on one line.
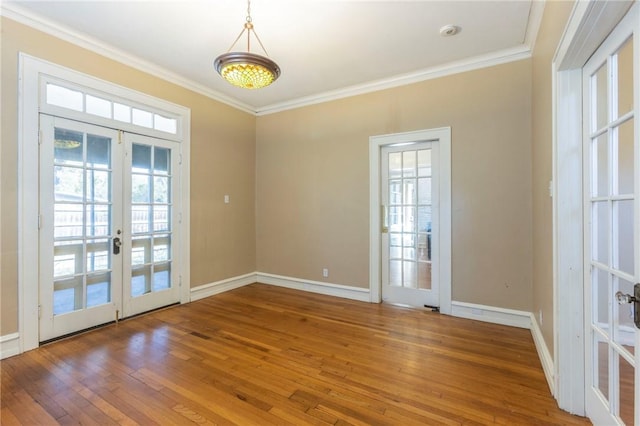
[(226, 199), (325, 272)]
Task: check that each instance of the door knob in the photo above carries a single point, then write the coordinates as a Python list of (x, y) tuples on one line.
[(116, 245), (623, 299)]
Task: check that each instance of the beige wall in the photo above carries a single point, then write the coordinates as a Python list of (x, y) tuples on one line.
[(312, 181), (222, 162), (556, 15)]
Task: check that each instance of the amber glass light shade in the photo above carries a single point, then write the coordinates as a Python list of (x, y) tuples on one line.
[(247, 70)]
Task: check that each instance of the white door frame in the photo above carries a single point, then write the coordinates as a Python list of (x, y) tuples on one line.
[(443, 137), (32, 72), (589, 24)]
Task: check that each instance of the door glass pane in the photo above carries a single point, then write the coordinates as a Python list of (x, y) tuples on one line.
[(161, 164), (424, 275), (409, 164), (161, 277), (410, 274), (395, 245), (67, 258), (97, 216), (140, 219), (600, 233), (625, 383), (395, 165), (98, 185), (67, 183), (98, 289), (68, 295), (98, 152), (395, 192), (141, 280), (600, 99), (161, 248), (408, 220), (600, 167), (140, 188), (424, 191), (395, 273), (141, 158), (624, 253), (424, 162), (98, 255), (625, 158), (601, 298), (160, 189), (601, 365), (625, 78), (409, 191)]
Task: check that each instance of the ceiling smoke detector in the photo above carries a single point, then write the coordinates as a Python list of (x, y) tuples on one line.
[(449, 30)]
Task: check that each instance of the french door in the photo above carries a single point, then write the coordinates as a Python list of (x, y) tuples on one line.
[(612, 226), (106, 225), (409, 195)]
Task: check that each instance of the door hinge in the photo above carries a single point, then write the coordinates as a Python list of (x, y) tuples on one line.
[(39, 311), (40, 137), (180, 159), (180, 281), (179, 217), (39, 221)]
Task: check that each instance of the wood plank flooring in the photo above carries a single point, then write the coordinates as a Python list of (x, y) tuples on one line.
[(263, 355)]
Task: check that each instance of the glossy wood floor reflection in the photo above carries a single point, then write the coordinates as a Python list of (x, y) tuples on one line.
[(264, 355)]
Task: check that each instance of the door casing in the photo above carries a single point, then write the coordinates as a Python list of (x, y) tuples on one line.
[(443, 137)]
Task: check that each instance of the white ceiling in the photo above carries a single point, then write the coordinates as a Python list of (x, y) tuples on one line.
[(325, 48)]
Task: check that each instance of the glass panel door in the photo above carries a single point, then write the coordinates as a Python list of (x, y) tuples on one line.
[(149, 255), (612, 220), (80, 218), (409, 194)]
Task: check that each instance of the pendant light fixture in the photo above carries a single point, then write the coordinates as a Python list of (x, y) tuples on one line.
[(245, 69)]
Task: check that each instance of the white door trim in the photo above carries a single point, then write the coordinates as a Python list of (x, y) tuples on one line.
[(589, 24), (31, 71), (443, 135)]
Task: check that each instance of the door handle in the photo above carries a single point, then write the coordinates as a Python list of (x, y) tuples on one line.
[(623, 298), (116, 245), (384, 219)]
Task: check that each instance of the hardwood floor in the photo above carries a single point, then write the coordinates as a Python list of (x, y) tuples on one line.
[(263, 355)]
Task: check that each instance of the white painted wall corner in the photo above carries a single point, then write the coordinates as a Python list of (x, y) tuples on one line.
[(328, 289), (206, 290)]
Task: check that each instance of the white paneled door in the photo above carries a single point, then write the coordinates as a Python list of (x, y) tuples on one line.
[(612, 227), (106, 225), (409, 195)]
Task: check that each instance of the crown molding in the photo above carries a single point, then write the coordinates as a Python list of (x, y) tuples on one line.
[(469, 64), (40, 23)]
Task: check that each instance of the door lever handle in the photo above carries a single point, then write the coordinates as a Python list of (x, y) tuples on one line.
[(116, 245)]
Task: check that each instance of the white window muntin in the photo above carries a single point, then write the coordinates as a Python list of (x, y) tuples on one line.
[(161, 113)]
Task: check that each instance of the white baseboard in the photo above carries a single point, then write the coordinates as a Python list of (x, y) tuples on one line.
[(217, 287), (512, 317), (545, 356), (9, 345), (328, 289)]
